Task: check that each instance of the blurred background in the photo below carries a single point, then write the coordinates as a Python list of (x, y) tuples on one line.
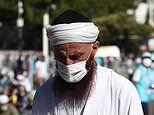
[(126, 31)]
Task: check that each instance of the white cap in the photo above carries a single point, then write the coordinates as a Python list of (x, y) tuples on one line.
[(4, 99), (146, 54), (4, 71), (20, 77), (152, 57)]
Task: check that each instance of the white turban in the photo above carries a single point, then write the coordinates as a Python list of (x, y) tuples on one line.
[(83, 32)]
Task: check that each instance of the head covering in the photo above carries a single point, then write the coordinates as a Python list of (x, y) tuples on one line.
[(152, 57), (4, 99), (71, 26), (146, 55), (20, 77), (4, 71)]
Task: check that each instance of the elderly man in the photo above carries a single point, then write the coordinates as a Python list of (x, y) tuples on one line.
[(81, 87)]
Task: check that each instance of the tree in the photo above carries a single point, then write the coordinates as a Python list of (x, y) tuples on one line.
[(8, 12), (104, 12), (120, 27)]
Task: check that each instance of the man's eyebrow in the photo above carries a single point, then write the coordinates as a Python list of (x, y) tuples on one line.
[(80, 52), (77, 53)]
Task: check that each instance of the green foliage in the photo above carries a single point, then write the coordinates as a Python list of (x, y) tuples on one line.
[(117, 24), (133, 46), (107, 7), (109, 15), (8, 4), (34, 9), (122, 30), (8, 11)]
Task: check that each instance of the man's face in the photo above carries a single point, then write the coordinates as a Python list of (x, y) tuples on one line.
[(71, 53)]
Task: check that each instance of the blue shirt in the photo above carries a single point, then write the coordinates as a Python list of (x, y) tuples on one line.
[(143, 83)]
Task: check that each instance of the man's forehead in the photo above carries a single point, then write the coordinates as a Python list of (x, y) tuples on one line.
[(72, 46)]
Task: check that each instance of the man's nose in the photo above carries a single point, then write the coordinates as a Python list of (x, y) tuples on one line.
[(68, 61)]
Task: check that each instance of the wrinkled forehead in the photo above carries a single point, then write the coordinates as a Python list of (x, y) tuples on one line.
[(71, 46)]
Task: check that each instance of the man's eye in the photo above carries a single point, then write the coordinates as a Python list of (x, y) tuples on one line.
[(74, 57)]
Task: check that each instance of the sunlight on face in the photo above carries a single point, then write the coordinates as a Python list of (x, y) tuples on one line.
[(71, 53)]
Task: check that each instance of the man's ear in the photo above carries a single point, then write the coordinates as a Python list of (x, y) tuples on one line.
[(96, 45)]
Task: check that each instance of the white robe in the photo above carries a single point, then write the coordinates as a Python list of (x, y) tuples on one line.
[(112, 95)]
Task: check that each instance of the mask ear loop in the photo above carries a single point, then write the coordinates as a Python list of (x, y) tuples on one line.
[(53, 62), (53, 66), (89, 57), (90, 51)]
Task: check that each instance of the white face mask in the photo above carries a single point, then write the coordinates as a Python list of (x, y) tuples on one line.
[(147, 62), (152, 65), (4, 107), (72, 73)]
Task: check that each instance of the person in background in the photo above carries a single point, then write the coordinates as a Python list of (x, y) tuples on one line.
[(81, 86), (5, 107), (99, 61), (141, 80), (4, 79), (30, 68), (14, 97), (19, 68), (21, 103), (22, 80), (151, 88), (41, 71)]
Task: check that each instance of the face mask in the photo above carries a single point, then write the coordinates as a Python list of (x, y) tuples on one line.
[(4, 107), (152, 65), (72, 73), (147, 62)]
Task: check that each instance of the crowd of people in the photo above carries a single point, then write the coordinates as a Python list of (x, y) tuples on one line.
[(139, 70), (20, 75)]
